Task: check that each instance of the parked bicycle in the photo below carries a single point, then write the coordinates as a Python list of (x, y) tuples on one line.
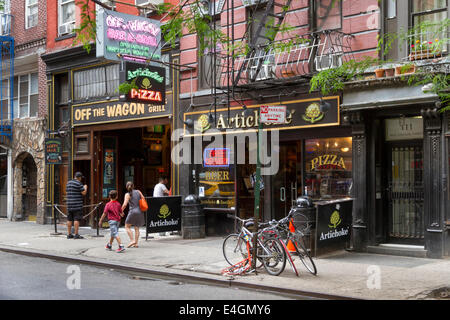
[(269, 251)]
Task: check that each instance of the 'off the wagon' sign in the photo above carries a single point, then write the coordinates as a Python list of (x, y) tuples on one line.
[(273, 114)]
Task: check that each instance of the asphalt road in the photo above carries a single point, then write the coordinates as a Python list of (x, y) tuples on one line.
[(32, 278)]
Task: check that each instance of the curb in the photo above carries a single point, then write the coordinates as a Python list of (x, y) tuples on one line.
[(173, 275)]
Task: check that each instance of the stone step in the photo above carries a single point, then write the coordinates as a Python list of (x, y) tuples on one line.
[(399, 250)]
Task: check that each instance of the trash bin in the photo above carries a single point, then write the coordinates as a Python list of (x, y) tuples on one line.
[(193, 218), (304, 219)]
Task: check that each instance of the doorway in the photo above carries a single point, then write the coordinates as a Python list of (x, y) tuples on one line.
[(287, 183), (405, 193), (29, 188)]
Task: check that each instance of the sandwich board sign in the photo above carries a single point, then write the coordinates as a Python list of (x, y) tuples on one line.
[(273, 114)]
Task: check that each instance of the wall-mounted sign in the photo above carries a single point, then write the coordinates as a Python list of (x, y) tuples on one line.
[(134, 38), (216, 157), (150, 80), (53, 151), (273, 114), (404, 129), (117, 111), (300, 114)]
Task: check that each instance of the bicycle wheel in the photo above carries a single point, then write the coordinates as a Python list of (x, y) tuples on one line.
[(305, 257), (274, 257), (234, 249)]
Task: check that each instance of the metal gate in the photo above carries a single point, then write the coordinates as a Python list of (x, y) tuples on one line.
[(405, 193)]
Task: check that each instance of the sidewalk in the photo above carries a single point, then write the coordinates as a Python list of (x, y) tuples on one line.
[(343, 273)]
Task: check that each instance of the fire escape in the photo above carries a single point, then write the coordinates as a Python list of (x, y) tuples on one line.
[(6, 79), (274, 57)]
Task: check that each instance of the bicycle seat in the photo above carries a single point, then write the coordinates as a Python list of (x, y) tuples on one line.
[(249, 224)]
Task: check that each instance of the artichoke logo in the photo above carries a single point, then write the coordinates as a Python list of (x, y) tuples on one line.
[(146, 83), (335, 219), (164, 211), (202, 123), (313, 113)]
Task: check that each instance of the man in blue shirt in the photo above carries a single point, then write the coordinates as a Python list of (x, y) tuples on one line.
[(75, 192)]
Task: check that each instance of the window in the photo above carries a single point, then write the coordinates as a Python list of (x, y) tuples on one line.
[(5, 18), (208, 61), (31, 13), (25, 95), (109, 3), (327, 15), (96, 82), (328, 168), (429, 10), (391, 9), (166, 58), (66, 16)]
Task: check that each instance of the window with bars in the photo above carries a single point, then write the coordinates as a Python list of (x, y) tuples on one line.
[(25, 96), (31, 13), (96, 82)]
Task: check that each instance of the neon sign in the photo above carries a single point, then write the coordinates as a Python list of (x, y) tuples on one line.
[(216, 157), (143, 94), (124, 34)]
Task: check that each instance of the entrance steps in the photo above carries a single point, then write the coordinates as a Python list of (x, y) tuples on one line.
[(399, 250)]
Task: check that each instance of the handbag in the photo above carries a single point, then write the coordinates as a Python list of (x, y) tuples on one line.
[(143, 205)]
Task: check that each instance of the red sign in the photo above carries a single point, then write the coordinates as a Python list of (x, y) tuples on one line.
[(147, 95), (216, 157)]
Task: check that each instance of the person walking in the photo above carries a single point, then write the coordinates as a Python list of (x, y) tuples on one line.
[(113, 210), (75, 192), (135, 216)]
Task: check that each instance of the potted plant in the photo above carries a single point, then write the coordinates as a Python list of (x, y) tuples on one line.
[(379, 73), (389, 70), (407, 68), (425, 49)]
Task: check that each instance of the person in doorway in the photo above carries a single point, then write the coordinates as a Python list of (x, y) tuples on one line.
[(113, 210), (75, 192), (135, 216), (160, 190)]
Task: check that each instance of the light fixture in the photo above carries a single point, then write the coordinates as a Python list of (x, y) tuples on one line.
[(324, 106), (247, 111), (345, 149), (189, 123), (211, 118)]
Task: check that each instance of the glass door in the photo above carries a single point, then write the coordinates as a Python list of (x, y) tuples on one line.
[(405, 194), (287, 183)]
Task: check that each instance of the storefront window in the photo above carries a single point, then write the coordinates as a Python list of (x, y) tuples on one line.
[(328, 168), (216, 178)]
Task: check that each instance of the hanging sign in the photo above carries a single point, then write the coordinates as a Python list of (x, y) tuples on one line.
[(53, 151), (128, 37), (150, 83)]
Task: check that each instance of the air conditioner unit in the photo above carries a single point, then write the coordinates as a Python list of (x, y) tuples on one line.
[(66, 28), (265, 72), (328, 61)]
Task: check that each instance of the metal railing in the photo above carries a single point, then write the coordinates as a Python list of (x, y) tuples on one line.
[(429, 44), (290, 58)]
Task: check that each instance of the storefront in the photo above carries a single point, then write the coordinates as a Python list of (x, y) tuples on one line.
[(399, 170), (310, 154), (110, 138)]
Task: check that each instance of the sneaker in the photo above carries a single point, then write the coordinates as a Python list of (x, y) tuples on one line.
[(77, 236), (121, 249), (70, 236), (108, 247)]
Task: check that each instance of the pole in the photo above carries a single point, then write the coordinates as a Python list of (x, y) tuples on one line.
[(98, 219), (257, 193)]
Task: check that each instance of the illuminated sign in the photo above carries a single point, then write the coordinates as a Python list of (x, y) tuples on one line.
[(132, 37), (149, 80), (216, 157)]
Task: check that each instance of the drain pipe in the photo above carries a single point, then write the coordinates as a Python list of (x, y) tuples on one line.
[(9, 188)]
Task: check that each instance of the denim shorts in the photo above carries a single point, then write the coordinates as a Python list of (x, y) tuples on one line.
[(114, 228)]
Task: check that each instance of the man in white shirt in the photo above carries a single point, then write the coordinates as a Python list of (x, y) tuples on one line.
[(160, 189)]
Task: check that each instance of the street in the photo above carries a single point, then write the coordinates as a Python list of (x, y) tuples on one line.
[(24, 277)]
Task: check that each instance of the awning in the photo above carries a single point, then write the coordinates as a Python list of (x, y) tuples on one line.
[(375, 98)]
